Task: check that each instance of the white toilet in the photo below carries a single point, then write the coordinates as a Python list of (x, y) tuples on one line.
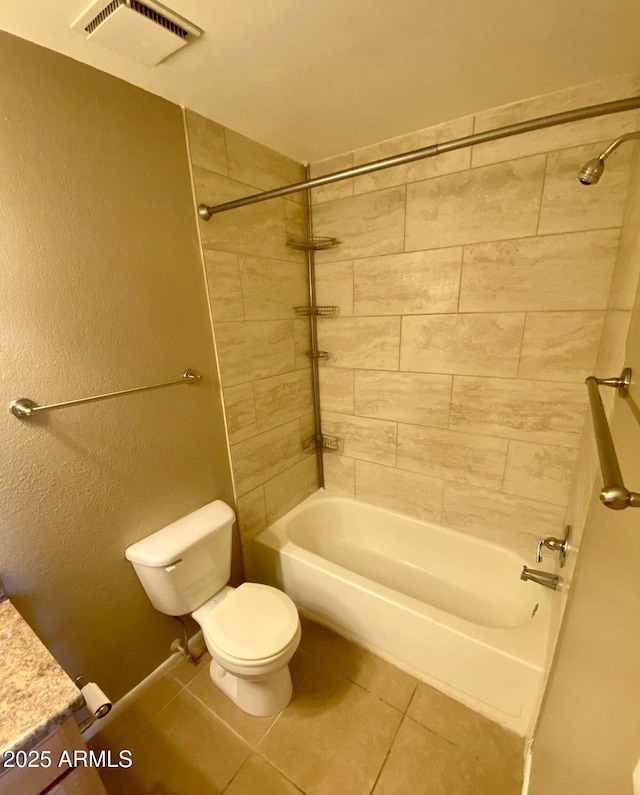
[(251, 631)]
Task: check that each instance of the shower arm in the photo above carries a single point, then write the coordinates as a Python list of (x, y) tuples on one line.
[(206, 211), (632, 136)]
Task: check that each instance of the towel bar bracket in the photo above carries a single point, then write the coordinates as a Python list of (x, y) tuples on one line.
[(621, 383)]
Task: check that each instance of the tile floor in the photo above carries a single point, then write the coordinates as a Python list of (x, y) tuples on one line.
[(356, 725)]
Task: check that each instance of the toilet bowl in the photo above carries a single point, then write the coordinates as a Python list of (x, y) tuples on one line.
[(251, 631)]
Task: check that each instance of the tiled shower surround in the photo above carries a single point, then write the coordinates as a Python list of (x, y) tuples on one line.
[(472, 290), (254, 282)]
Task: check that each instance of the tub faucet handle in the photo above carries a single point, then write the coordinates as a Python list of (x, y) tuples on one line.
[(560, 545), (552, 543)]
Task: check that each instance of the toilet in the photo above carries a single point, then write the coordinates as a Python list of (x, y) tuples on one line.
[(251, 631)]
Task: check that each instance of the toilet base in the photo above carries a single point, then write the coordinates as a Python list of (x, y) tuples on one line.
[(259, 697)]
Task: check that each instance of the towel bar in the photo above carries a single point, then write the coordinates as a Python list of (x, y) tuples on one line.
[(24, 407), (614, 494)]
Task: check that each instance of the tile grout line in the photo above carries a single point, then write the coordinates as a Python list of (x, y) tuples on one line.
[(544, 182), (504, 471), (276, 767), (454, 430), (404, 228), (255, 747), (521, 347), (490, 241), (413, 692), (244, 318), (386, 756), (462, 253), (467, 751), (235, 775), (337, 636), (171, 700), (221, 720), (353, 287), (226, 155)]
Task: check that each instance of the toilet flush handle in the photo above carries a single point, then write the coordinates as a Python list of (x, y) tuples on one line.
[(172, 566)]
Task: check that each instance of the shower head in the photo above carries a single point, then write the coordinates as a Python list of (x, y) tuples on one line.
[(591, 172)]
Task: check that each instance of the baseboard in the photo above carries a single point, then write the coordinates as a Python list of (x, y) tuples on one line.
[(126, 700)]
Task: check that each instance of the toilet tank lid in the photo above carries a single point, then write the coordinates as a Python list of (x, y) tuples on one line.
[(165, 546)]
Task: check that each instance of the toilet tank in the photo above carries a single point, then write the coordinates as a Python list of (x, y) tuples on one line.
[(187, 562)]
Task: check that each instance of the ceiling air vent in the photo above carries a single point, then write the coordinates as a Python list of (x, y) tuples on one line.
[(144, 32)]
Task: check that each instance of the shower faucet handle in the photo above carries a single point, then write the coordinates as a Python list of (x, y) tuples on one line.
[(560, 545)]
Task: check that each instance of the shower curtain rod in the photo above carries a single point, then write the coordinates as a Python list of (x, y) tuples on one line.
[(205, 211)]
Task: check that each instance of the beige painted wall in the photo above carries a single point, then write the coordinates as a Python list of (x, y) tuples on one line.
[(588, 737), (472, 292), (102, 289), (255, 280)]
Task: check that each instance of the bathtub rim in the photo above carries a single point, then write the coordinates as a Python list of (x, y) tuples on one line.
[(526, 643)]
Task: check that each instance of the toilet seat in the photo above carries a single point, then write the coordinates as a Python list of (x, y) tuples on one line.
[(252, 626), (253, 668)]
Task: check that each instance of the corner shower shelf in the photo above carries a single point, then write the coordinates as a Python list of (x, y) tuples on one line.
[(315, 244), (323, 311), (321, 441)]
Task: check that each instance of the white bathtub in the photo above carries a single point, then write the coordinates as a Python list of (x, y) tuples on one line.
[(444, 606)]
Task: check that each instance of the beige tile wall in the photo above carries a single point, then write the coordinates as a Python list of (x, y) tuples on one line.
[(473, 290), (254, 282)]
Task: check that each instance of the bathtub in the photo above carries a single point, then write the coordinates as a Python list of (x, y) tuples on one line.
[(442, 605)]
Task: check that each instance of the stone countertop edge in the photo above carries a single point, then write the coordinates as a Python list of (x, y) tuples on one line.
[(36, 694)]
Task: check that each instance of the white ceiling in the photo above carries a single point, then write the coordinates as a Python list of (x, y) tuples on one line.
[(313, 78)]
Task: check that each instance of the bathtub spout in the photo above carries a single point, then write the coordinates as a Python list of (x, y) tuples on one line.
[(541, 577)]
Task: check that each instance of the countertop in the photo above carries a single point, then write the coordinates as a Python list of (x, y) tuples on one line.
[(36, 695)]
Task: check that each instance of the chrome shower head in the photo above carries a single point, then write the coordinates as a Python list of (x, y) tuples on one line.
[(591, 172)]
